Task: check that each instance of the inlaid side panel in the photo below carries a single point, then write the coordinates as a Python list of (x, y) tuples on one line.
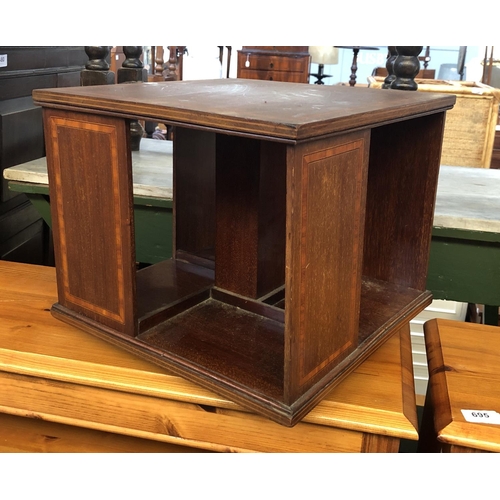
[(326, 213), (90, 183)]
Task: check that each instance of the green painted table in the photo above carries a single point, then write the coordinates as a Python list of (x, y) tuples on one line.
[(465, 251), (153, 192)]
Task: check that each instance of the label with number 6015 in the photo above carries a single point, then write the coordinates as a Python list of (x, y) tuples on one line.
[(482, 416)]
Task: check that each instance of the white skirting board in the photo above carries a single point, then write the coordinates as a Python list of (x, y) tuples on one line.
[(446, 309)]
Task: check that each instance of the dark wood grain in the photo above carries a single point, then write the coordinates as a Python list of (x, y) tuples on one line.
[(302, 229), (250, 354), (284, 110), (279, 64), (168, 288), (194, 192), (383, 305), (95, 253), (250, 208), (402, 184), (271, 311), (327, 186)]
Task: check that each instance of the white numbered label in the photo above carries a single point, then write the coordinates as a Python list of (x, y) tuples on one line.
[(3, 60), (482, 416)]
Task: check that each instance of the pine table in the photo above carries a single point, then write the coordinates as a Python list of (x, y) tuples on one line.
[(462, 407), (62, 390)]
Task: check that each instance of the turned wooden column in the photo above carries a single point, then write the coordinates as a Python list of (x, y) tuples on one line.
[(406, 67), (170, 72), (159, 61), (173, 70), (354, 66), (389, 66), (133, 70), (97, 70)]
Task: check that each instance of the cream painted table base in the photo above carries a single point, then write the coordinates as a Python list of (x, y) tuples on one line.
[(105, 399)]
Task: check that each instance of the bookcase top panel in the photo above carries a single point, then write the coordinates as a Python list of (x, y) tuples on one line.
[(275, 110)]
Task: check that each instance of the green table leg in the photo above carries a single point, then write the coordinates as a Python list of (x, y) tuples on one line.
[(42, 204), (491, 315)]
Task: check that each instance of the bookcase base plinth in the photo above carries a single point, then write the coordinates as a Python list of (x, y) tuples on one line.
[(239, 354)]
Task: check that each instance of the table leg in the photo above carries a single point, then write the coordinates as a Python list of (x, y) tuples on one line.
[(453, 448), (427, 441), (491, 315), (374, 443)]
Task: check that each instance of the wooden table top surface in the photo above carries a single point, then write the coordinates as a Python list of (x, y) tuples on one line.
[(377, 398), (467, 198), (152, 170), (463, 366), (277, 110)]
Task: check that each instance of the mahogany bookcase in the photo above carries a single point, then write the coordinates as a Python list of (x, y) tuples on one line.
[(302, 228)]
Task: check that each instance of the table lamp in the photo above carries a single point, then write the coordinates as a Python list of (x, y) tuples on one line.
[(322, 55)]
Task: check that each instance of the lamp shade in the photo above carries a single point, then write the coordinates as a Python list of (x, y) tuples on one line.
[(324, 54)]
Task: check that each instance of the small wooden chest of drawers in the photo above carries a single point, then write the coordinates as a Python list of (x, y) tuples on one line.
[(281, 64)]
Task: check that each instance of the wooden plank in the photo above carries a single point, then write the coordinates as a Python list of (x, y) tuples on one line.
[(263, 111), (35, 345), (169, 422), (463, 360), (29, 435), (152, 170), (467, 199)]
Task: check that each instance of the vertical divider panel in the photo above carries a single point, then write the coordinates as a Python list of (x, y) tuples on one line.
[(194, 188), (402, 184), (272, 217), (237, 214), (92, 216), (326, 192), (250, 215)]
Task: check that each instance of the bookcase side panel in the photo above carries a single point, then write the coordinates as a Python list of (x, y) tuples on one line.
[(90, 182), (402, 185), (326, 189)]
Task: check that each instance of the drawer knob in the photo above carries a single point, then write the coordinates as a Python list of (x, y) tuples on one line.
[(271, 65)]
